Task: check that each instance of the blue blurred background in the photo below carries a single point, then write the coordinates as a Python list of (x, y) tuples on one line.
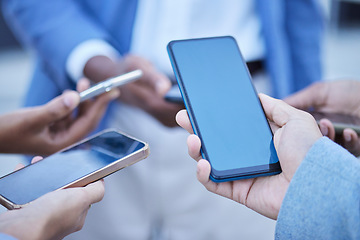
[(341, 59)]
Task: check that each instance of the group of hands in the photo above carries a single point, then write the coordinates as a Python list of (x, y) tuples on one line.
[(46, 129)]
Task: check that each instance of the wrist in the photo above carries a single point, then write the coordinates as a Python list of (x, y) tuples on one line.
[(20, 225)]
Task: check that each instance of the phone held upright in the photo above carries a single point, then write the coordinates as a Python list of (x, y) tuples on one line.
[(224, 108)]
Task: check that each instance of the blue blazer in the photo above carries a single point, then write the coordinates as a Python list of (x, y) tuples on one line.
[(292, 31)]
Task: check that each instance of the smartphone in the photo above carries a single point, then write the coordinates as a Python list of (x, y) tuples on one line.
[(108, 84), (76, 166), (224, 108), (339, 121)]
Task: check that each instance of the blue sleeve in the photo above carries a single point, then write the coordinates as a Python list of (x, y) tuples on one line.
[(6, 237), (292, 32), (323, 198), (53, 28), (304, 26)]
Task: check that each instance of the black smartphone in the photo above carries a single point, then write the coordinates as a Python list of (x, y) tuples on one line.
[(224, 108), (76, 166), (339, 121)]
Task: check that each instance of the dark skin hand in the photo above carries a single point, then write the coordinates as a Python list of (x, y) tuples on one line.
[(146, 93), (334, 97), (46, 129)]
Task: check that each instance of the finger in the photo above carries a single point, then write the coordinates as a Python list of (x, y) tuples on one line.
[(350, 135), (203, 172), (273, 127), (276, 110), (61, 125), (183, 120), (36, 159), (351, 141), (57, 108), (19, 166), (162, 85), (95, 191), (90, 114), (156, 80), (327, 128), (194, 145), (82, 84), (312, 96)]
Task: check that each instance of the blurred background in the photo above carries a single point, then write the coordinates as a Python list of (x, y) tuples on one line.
[(341, 59)]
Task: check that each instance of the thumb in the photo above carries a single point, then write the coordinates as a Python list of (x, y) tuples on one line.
[(276, 110), (95, 191), (58, 108), (312, 96)]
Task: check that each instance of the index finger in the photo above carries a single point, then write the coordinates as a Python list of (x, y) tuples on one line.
[(183, 120)]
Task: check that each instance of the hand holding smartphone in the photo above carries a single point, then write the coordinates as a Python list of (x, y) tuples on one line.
[(224, 109), (76, 166), (339, 121)]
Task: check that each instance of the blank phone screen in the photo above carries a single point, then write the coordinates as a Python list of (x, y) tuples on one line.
[(63, 168), (224, 108)]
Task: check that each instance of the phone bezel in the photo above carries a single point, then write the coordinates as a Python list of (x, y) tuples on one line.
[(216, 175), (115, 166)]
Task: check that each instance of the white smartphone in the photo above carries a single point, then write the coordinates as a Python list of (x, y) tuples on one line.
[(76, 166), (108, 84)]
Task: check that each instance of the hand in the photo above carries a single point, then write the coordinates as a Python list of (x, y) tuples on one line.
[(295, 132), (54, 215), (146, 93), (46, 129), (336, 97)]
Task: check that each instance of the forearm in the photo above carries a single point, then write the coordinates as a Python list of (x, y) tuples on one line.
[(322, 201)]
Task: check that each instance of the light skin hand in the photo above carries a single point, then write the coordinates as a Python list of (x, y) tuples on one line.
[(46, 129), (335, 97), (146, 93), (54, 215), (295, 132)]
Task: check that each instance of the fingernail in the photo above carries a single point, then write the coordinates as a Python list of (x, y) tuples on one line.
[(347, 137), (161, 87), (68, 100), (324, 130)]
